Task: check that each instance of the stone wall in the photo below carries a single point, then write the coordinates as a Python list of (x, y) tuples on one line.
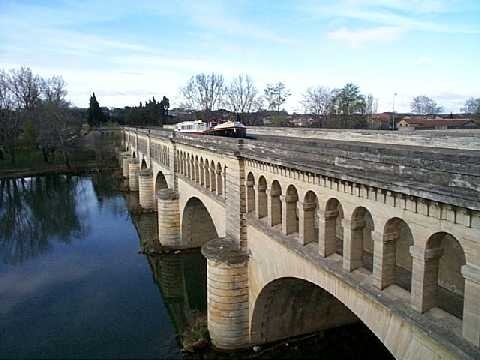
[(453, 139)]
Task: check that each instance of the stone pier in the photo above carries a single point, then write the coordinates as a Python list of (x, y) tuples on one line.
[(125, 161), (133, 169), (168, 219), (145, 189), (227, 294)]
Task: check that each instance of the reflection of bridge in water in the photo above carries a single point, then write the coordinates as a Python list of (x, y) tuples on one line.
[(181, 278), (304, 235)]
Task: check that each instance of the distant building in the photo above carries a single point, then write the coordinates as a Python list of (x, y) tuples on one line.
[(411, 123), (301, 120)]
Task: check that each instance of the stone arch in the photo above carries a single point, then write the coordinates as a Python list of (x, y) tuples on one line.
[(179, 165), (202, 172), (184, 164), (262, 198), (213, 180), (197, 224), (197, 170), (359, 253), (190, 166), (309, 226), (250, 187), (291, 212), (443, 261), (275, 210), (333, 229), (206, 167), (160, 182), (143, 165), (290, 306), (180, 162), (395, 260), (219, 173)]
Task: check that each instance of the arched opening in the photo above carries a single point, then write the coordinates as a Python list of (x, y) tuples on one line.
[(184, 164), (197, 224), (309, 233), (202, 173), (250, 185), (189, 167), (397, 260), (207, 173), (213, 179), (219, 179), (291, 215), (446, 284), (181, 164), (289, 307), (192, 168), (160, 182), (262, 198), (197, 170), (275, 212), (333, 236), (133, 155), (143, 164), (361, 247)]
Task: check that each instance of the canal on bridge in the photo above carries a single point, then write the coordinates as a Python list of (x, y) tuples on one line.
[(73, 285)]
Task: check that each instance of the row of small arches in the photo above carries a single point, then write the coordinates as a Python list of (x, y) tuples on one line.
[(202, 171), (351, 241)]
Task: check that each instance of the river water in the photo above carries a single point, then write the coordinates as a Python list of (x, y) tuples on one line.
[(73, 284)]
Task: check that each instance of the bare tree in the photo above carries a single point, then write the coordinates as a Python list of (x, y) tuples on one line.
[(204, 91), (241, 95), (20, 97), (276, 95), (8, 135), (54, 91), (318, 102), (26, 88), (59, 130), (424, 105)]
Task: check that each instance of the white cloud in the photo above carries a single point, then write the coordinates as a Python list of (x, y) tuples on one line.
[(359, 37)]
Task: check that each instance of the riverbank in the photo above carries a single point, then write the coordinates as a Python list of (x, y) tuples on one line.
[(80, 169)]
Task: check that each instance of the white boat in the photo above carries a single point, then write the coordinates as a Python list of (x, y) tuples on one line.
[(192, 127), (228, 128)]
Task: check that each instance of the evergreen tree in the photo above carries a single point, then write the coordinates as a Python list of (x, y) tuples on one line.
[(165, 105), (95, 116)]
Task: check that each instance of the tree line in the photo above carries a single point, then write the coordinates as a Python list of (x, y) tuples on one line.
[(339, 107)]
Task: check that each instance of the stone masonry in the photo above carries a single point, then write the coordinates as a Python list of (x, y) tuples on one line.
[(372, 231)]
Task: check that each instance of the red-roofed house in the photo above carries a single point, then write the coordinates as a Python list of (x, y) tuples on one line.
[(420, 123)]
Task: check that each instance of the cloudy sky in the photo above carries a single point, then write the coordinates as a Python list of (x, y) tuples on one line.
[(127, 51)]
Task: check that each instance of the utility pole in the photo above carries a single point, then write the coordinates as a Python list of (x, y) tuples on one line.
[(393, 112)]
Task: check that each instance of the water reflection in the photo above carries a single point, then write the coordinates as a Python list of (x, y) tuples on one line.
[(181, 278), (73, 285), (36, 211)]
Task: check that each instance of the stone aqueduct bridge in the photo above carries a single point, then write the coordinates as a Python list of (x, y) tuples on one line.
[(303, 235)]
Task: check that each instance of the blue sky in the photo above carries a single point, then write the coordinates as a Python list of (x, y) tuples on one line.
[(127, 51)]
